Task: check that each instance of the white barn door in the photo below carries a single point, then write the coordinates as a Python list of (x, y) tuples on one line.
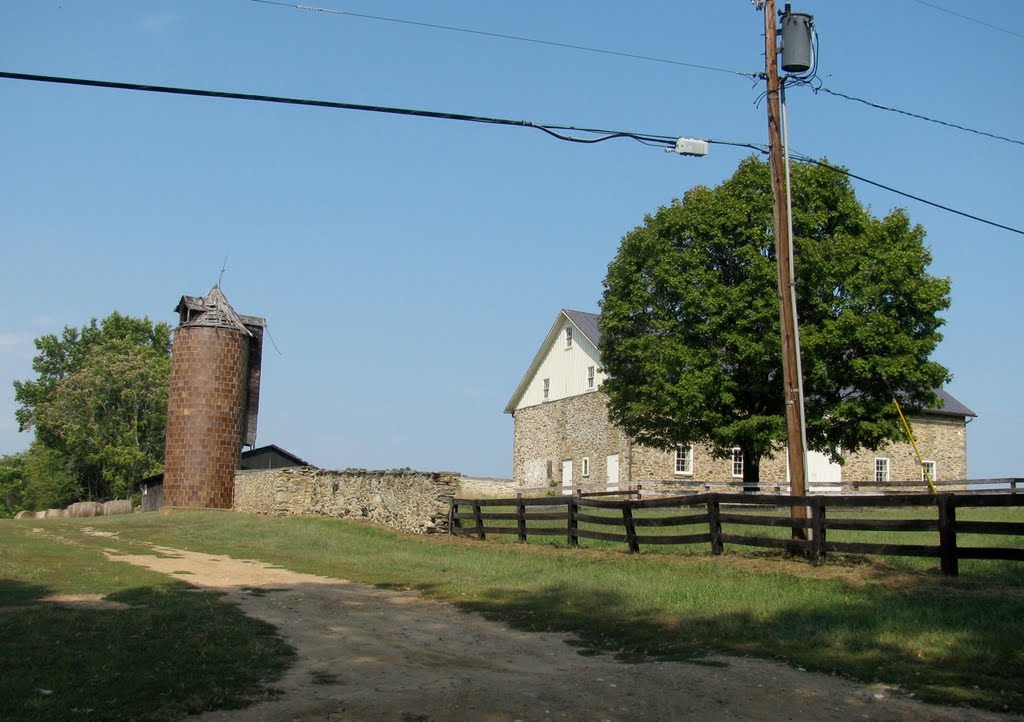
[(613, 472), (823, 475), (567, 476)]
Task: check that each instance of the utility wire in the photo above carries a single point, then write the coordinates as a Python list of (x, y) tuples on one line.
[(664, 141), (648, 58), (828, 166), (504, 36), (879, 106), (969, 18)]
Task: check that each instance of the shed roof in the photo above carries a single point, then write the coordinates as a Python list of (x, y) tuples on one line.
[(276, 449)]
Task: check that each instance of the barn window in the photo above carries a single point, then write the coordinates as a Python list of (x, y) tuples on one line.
[(737, 463), (684, 459)]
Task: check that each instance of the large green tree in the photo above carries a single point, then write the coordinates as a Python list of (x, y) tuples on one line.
[(99, 401), (690, 321), (37, 478)]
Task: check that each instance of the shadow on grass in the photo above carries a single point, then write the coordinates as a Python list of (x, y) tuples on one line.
[(15, 593), (959, 646), (174, 652)]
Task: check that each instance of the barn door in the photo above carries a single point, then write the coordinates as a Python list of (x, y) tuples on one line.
[(613, 472), (823, 475)]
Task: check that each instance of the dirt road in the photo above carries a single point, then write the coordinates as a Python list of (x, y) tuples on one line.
[(371, 654)]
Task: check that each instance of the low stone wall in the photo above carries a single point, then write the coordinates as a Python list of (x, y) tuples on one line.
[(411, 501)]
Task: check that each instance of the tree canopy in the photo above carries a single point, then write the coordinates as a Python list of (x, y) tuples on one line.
[(99, 402), (690, 321)]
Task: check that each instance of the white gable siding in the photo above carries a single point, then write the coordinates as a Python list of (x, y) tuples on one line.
[(566, 367)]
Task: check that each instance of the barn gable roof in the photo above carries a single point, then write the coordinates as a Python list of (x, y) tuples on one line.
[(586, 323), (589, 325)]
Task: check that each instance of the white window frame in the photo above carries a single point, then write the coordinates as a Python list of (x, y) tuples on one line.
[(591, 376), (683, 460), (933, 469), (883, 469), (547, 389), (568, 337), (585, 467), (737, 463)]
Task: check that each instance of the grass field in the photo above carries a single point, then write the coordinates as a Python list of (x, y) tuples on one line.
[(928, 538), (955, 641), (125, 644)]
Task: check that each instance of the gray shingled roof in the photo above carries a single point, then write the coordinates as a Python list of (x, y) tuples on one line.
[(950, 406), (588, 324)]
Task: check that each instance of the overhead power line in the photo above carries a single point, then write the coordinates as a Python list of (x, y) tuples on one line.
[(597, 135), (919, 199), (969, 18), (505, 36), (634, 56), (879, 106)]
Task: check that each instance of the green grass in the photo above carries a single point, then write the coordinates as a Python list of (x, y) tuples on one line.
[(994, 570), (955, 641), (170, 652), (947, 640)]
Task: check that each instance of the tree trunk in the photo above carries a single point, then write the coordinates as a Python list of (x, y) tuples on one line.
[(751, 472)]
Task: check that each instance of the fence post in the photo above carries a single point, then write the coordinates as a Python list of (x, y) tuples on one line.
[(453, 523), (573, 524), (817, 530), (478, 519), (627, 520), (947, 535), (521, 517), (714, 524)]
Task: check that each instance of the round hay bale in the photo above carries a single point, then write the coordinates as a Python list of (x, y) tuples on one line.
[(25, 515), (85, 509), (118, 506), (53, 513)]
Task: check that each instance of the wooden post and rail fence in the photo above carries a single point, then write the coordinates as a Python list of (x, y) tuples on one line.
[(713, 518)]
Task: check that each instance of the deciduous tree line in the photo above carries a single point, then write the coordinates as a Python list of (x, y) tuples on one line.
[(98, 408)]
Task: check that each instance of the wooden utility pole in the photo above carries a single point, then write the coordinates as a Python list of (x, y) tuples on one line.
[(786, 289)]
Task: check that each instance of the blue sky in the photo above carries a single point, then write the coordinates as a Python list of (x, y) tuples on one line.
[(409, 268)]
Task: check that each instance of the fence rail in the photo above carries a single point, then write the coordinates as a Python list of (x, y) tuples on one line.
[(675, 520)]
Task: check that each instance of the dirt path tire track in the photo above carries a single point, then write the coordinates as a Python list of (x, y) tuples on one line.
[(371, 654)]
